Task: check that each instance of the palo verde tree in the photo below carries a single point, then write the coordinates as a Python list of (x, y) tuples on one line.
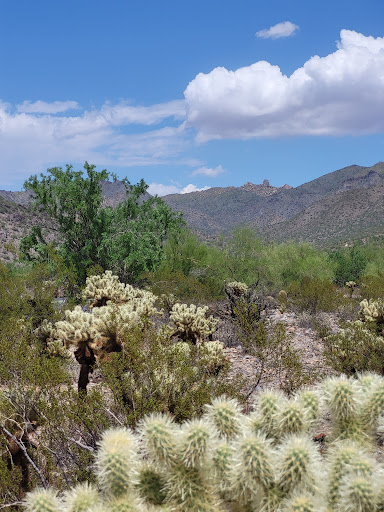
[(128, 238)]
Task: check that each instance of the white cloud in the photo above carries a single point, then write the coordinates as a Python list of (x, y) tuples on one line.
[(163, 190), (31, 141), (342, 93), (124, 114), (192, 188), (283, 29), (206, 171), (42, 107)]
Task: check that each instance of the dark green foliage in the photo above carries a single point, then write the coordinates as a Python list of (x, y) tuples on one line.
[(128, 239), (349, 265), (135, 234), (74, 202)]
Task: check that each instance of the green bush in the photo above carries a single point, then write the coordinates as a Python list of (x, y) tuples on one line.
[(287, 263), (314, 295), (372, 286), (355, 349), (349, 264)]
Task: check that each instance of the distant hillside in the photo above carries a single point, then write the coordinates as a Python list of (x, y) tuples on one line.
[(343, 217), (221, 209), (16, 221)]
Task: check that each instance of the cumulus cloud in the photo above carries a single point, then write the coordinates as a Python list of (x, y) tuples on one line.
[(206, 171), (31, 140), (42, 107), (163, 190), (283, 29), (340, 94)]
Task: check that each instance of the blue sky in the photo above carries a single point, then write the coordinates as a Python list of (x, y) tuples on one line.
[(190, 95)]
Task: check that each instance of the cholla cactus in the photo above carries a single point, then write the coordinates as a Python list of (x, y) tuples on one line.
[(265, 417), (358, 495), (78, 327), (236, 288), (236, 291), (221, 458), (168, 300), (81, 498), (116, 462), (191, 323), (102, 332), (372, 311), (56, 348), (342, 396), (213, 356), (351, 285), (225, 415), (45, 332), (42, 500), (302, 502), (108, 288)]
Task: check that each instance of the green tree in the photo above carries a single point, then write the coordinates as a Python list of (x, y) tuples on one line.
[(136, 230), (128, 239), (74, 202)]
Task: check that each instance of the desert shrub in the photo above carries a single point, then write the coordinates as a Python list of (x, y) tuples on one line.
[(287, 263), (355, 349), (272, 348), (155, 374), (320, 323), (314, 295), (282, 300), (185, 288), (372, 285), (243, 256)]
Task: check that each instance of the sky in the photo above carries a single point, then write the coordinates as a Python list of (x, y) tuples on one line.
[(191, 95)]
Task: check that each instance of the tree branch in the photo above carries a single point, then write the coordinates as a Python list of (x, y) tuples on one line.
[(24, 450)]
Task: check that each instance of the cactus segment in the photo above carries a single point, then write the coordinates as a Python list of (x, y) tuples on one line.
[(226, 417), (81, 498), (115, 461), (42, 500)]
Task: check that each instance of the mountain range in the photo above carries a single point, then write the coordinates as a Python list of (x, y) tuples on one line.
[(340, 207)]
